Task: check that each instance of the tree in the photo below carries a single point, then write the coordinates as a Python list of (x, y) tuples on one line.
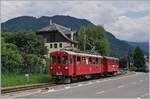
[(123, 63), (11, 59), (93, 38), (138, 59), (31, 47)]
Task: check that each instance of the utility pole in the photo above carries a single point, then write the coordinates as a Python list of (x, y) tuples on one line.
[(84, 46), (84, 42)]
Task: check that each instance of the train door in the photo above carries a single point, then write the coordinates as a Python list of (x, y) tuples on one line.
[(105, 65), (74, 65)]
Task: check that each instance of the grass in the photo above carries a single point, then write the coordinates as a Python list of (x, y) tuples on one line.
[(16, 79)]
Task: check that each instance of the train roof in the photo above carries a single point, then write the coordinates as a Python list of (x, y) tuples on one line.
[(111, 58), (81, 54), (85, 54)]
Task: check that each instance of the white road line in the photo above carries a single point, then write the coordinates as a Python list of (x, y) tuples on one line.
[(89, 82), (100, 92), (138, 98), (121, 86), (133, 82), (80, 84), (51, 90), (97, 81), (67, 87)]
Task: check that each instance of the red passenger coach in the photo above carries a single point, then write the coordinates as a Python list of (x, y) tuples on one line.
[(68, 65), (111, 65)]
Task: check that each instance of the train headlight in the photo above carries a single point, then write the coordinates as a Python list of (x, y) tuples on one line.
[(51, 67), (66, 67)]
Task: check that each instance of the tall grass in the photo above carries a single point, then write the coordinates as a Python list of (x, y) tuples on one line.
[(16, 79)]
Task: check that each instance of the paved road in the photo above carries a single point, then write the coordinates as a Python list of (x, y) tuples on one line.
[(131, 86)]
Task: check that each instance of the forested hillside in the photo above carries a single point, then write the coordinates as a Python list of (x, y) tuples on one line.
[(118, 48)]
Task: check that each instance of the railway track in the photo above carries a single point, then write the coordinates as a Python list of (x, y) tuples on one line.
[(23, 88)]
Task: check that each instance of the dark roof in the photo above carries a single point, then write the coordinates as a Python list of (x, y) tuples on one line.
[(55, 27)]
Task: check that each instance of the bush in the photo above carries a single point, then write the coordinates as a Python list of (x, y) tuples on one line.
[(11, 59)]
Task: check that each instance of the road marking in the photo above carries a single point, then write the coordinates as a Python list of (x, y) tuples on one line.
[(97, 81), (80, 84), (100, 92), (138, 98), (51, 90), (121, 86), (90, 83), (133, 82), (67, 87)]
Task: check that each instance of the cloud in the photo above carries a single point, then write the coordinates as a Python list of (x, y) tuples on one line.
[(111, 14)]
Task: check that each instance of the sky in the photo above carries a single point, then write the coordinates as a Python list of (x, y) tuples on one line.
[(127, 20)]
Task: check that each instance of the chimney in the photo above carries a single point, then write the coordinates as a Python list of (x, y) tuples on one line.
[(50, 22), (71, 35)]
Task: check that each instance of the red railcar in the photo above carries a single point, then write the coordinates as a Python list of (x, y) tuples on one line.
[(67, 65), (111, 65)]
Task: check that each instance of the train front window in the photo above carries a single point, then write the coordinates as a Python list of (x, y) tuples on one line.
[(58, 60), (64, 59), (53, 59)]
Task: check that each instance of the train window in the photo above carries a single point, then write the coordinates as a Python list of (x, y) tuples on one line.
[(100, 61), (64, 59), (78, 60), (53, 59), (87, 62), (90, 60), (84, 60), (96, 61), (58, 60), (71, 59), (93, 60)]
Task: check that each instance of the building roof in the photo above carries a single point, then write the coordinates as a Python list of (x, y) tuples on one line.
[(55, 27)]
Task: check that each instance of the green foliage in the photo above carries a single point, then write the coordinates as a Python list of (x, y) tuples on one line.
[(138, 58), (15, 79), (94, 37), (28, 43), (11, 59), (29, 50), (123, 62)]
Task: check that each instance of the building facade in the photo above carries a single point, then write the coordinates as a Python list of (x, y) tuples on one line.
[(58, 37)]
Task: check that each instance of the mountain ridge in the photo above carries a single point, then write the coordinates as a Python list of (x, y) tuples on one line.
[(118, 47)]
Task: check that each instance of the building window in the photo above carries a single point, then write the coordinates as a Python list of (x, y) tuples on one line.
[(51, 46), (60, 45), (55, 45)]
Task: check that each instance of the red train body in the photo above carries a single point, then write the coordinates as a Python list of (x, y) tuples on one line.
[(68, 65)]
